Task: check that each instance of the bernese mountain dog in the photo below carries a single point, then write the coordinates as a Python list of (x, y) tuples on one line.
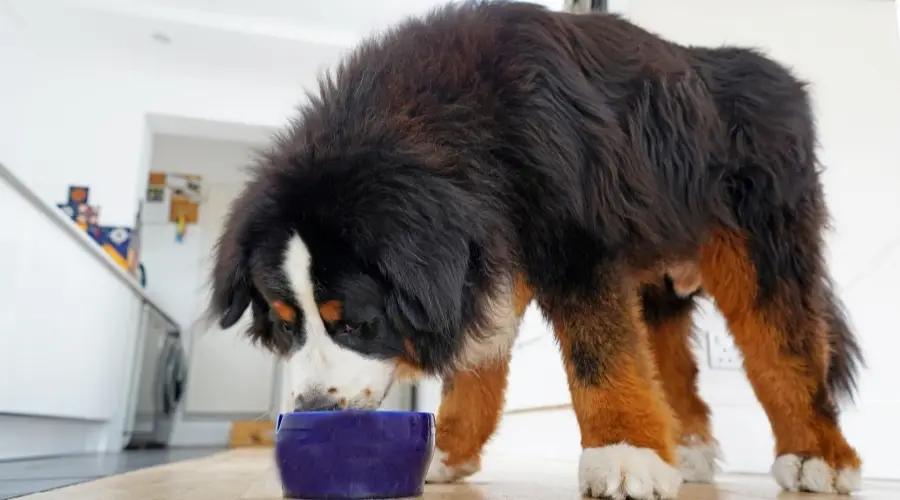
[(465, 163)]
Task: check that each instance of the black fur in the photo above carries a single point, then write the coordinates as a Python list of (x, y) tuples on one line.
[(846, 354), (660, 302), (492, 138)]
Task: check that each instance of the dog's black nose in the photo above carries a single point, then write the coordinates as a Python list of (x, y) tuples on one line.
[(315, 401)]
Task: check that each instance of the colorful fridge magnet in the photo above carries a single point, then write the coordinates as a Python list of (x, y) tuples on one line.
[(78, 195), (116, 240), (180, 228), (67, 209)]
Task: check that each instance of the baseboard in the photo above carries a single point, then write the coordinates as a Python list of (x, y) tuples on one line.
[(742, 430), (211, 432), (32, 436)]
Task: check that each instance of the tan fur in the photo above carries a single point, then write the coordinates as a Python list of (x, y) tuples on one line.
[(284, 311), (649, 396), (470, 411), (472, 402), (331, 311), (670, 343), (785, 385), (408, 367), (686, 278), (628, 405)]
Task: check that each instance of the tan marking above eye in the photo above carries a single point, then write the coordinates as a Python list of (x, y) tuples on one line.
[(331, 311), (284, 311)]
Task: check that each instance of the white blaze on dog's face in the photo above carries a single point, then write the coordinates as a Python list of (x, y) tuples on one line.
[(322, 374)]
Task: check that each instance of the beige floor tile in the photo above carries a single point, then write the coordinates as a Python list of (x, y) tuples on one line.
[(250, 475)]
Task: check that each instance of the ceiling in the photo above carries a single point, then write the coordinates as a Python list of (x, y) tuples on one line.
[(268, 37), (217, 161), (181, 126), (278, 42)]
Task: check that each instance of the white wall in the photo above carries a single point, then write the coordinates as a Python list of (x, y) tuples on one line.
[(228, 377), (850, 51), (74, 117), (84, 120), (10, 84), (177, 271)]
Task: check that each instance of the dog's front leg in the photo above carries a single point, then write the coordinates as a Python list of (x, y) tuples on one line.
[(470, 410), (626, 424)]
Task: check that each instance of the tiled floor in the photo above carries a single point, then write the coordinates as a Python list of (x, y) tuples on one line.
[(250, 475), (22, 477)]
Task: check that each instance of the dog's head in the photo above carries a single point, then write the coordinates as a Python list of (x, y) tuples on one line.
[(357, 269)]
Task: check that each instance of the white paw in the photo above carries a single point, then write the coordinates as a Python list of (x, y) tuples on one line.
[(697, 460), (621, 471), (795, 473), (440, 472)]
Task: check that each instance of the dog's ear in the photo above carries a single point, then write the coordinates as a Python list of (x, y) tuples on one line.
[(417, 230), (232, 284), (232, 288), (235, 308), (247, 270), (427, 274)]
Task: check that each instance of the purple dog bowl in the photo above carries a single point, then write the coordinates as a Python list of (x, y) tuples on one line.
[(354, 454)]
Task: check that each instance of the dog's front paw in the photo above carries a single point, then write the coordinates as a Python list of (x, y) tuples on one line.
[(440, 472), (814, 475), (621, 471)]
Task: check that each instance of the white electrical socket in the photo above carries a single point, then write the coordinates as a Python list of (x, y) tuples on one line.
[(723, 354)]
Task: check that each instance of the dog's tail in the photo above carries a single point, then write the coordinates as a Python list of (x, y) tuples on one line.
[(846, 356)]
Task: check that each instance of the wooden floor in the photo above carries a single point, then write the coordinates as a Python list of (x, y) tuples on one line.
[(250, 475)]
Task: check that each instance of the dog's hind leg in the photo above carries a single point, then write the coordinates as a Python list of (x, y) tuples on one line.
[(784, 333), (669, 320)]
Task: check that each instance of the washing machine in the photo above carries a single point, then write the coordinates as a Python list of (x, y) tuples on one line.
[(162, 382)]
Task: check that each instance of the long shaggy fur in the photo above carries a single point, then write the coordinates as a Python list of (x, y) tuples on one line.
[(486, 140)]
